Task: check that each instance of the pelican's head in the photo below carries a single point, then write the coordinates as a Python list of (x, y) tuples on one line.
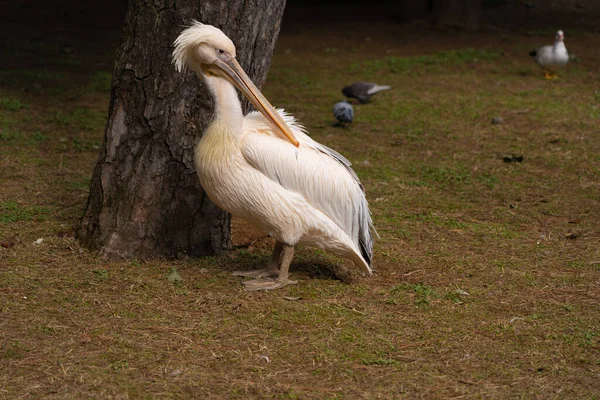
[(209, 52), (560, 36)]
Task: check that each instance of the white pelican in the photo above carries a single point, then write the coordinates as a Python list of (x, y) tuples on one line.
[(552, 57), (263, 168)]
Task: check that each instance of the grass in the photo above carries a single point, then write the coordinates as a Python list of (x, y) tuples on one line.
[(425, 63), (486, 271), (28, 138), (81, 119), (11, 104), (13, 212)]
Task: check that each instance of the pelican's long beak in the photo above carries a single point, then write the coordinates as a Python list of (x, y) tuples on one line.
[(233, 72)]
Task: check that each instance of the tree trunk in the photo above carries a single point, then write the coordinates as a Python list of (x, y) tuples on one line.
[(145, 198), (463, 14)]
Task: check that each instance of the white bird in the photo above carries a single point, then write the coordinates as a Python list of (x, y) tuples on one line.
[(344, 112), (552, 57), (363, 91), (264, 169)]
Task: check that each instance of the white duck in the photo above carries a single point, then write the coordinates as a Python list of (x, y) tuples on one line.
[(552, 57)]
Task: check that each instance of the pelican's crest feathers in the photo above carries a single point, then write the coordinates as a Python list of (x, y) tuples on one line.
[(195, 35)]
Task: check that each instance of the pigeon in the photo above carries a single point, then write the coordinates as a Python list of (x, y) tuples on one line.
[(552, 57), (344, 112), (363, 90)]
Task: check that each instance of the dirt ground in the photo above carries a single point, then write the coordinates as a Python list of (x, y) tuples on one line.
[(487, 278)]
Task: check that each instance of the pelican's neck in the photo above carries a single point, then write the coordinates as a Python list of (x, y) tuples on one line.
[(227, 106)]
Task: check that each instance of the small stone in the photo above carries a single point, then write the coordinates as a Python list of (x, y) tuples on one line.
[(497, 121), (264, 358)]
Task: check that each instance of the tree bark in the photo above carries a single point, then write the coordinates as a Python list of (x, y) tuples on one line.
[(462, 14), (145, 198)]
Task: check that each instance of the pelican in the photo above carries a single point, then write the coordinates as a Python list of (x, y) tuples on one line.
[(264, 169), (552, 57)]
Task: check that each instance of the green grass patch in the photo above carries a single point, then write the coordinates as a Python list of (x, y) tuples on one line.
[(80, 184), (11, 104), (422, 293), (443, 59), (379, 361), (13, 212), (100, 274), (81, 119), (488, 180), (13, 351), (441, 176), (13, 137), (100, 82)]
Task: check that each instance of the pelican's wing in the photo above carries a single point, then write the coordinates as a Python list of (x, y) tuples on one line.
[(321, 175)]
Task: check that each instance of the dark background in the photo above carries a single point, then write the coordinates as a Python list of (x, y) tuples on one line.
[(97, 26)]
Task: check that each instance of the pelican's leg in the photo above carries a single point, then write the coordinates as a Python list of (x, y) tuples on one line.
[(286, 259), (287, 253), (272, 268), (548, 74)]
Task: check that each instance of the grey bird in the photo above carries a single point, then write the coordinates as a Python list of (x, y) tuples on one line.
[(344, 112), (363, 90)]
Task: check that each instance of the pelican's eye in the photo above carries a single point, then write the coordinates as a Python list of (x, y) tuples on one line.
[(221, 51)]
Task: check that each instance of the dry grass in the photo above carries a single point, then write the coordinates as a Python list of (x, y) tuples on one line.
[(488, 272)]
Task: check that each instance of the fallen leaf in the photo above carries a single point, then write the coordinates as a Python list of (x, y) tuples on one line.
[(85, 338), (508, 158), (174, 276), (10, 242)]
